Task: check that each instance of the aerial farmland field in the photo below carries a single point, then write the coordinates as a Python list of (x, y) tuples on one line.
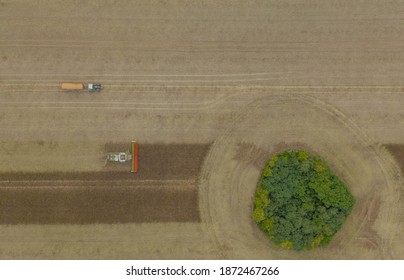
[(210, 90)]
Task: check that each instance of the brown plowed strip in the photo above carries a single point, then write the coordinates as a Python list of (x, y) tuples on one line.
[(163, 190), (162, 161), (156, 162), (397, 151), (89, 205)]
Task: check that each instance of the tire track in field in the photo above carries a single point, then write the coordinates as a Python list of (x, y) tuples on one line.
[(110, 104), (390, 170), (209, 207), (208, 192)]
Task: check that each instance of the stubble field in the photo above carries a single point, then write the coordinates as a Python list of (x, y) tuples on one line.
[(209, 92)]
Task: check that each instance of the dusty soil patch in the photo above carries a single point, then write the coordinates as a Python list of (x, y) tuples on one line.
[(248, 152), (397, 151), (89, 205)]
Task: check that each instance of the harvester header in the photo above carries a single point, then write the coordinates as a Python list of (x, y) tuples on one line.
[(134, 156), (126, 156)]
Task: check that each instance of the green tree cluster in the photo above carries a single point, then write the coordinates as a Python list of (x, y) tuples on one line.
[(300, 203)]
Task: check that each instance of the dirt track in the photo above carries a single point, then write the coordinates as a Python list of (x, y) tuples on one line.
[(326, 75)]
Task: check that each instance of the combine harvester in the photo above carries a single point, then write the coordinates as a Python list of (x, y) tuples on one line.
[(126, 156), (80, 86)]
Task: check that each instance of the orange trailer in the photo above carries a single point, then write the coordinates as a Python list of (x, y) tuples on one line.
[(72, 86)]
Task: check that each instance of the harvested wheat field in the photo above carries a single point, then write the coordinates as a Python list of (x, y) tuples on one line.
[(210, 91)]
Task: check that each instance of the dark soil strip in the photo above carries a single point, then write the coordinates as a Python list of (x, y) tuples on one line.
[(114, 195), (397, 151), (156, 162), (162, 161), (89, 205)]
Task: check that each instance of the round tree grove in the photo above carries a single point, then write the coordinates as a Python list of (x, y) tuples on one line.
[(300, 203)]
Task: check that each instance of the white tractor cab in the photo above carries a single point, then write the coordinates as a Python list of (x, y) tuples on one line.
[(119, 157), (94, 87)]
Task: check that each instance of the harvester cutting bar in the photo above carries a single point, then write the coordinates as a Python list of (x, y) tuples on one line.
[(134, 156)]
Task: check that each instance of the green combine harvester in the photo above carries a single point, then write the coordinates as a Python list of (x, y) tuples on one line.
[(126, 156)]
